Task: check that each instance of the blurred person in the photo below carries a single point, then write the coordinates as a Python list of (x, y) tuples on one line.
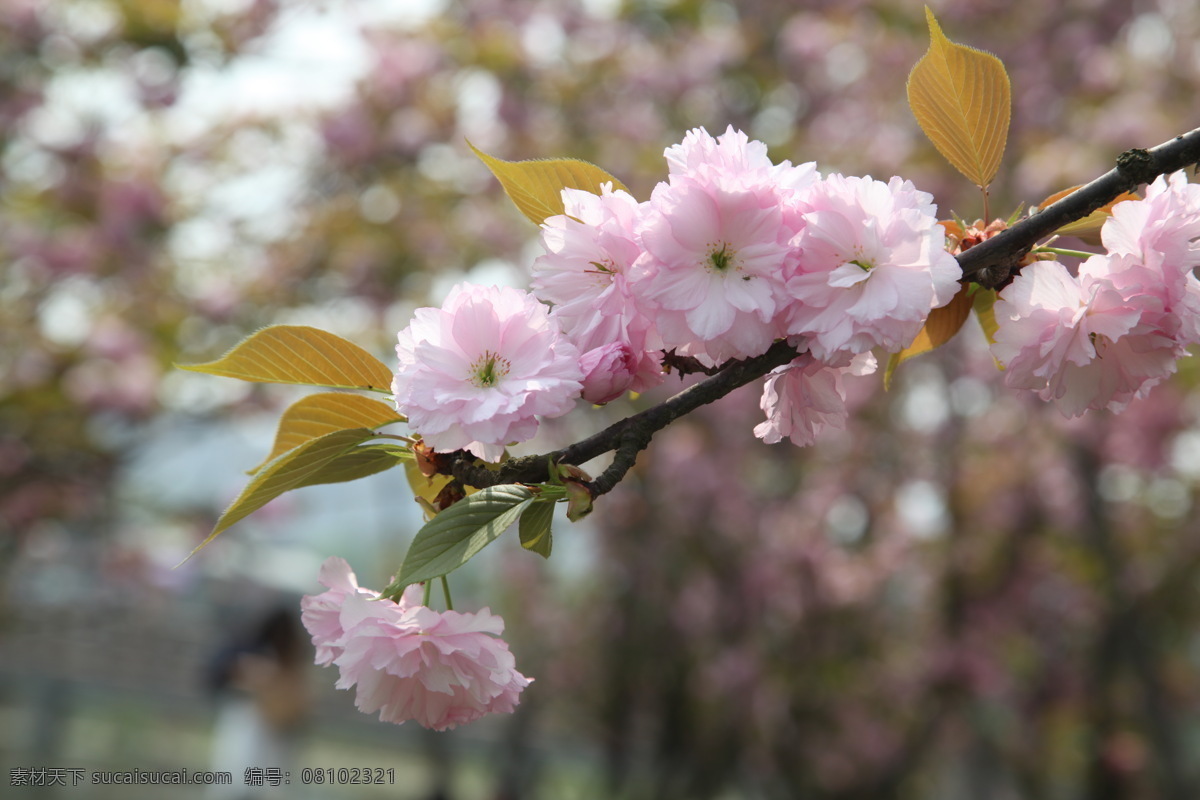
[(262, 702)]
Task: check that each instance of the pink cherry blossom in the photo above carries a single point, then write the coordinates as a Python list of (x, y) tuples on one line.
[(409, 661), (1160, 235), (716, 241), (733, 158), (478, 372), (1161, 230), (713, 267), (1108, 336), (608, 372), (806, 396), (1096, 341), (584, 274), (589, 250), (872, 265), (321, 614)]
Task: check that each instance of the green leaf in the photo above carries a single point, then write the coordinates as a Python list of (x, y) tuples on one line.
[(939, 328), (534, 528), (315, 461), (536, 186), (449, 540), (961, 98), (303, 355), (318, 414)]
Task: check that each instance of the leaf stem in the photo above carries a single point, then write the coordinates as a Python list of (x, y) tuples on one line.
[(446, 593)]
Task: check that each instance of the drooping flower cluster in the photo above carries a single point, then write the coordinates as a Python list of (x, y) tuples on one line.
[(730, 254), (806, 396), (409, 661), (1103, 337)]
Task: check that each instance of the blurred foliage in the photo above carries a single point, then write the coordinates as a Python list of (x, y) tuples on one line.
[(962, 595)]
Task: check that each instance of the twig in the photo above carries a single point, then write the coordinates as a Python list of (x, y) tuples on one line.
[(628, 436), (993, 262)]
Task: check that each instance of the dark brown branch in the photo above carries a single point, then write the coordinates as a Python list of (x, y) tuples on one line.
[(995, 260), (686, 365), (628, 436)]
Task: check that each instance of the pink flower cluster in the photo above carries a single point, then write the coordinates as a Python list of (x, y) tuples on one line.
[(409, 661), (1103, 337), (730, 254)]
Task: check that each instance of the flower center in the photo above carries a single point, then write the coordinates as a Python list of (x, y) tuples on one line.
[(605, 272), (721, 259), (489, 369), (863, 264)]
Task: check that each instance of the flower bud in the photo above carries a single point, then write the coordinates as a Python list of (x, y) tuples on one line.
[(608, 372), (579, 501)]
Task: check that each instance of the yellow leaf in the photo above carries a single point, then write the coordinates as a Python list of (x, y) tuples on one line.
[(961, 99), (1086, 228), (940, 327), (325, 412), (299, 354), (536, 186), (425, 489)]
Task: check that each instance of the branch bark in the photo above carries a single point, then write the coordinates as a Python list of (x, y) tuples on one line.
[(628, 436), (990, 263)]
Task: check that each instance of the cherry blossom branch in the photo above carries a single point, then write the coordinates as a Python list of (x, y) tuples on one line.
[(627, 437), (990, 263), (993, 262)]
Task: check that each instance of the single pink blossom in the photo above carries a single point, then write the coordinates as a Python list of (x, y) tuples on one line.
[(321, 614), (477, 373), (803, 398), (1158, 240), (872, 265), (713, 269), (608, 372), (590, 248), (717, 241), (1094, 341), (409, 661), (1161, 230), (733, 158), (584, 274)]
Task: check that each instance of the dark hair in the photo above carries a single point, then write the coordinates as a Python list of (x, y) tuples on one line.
[(278, 636)]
